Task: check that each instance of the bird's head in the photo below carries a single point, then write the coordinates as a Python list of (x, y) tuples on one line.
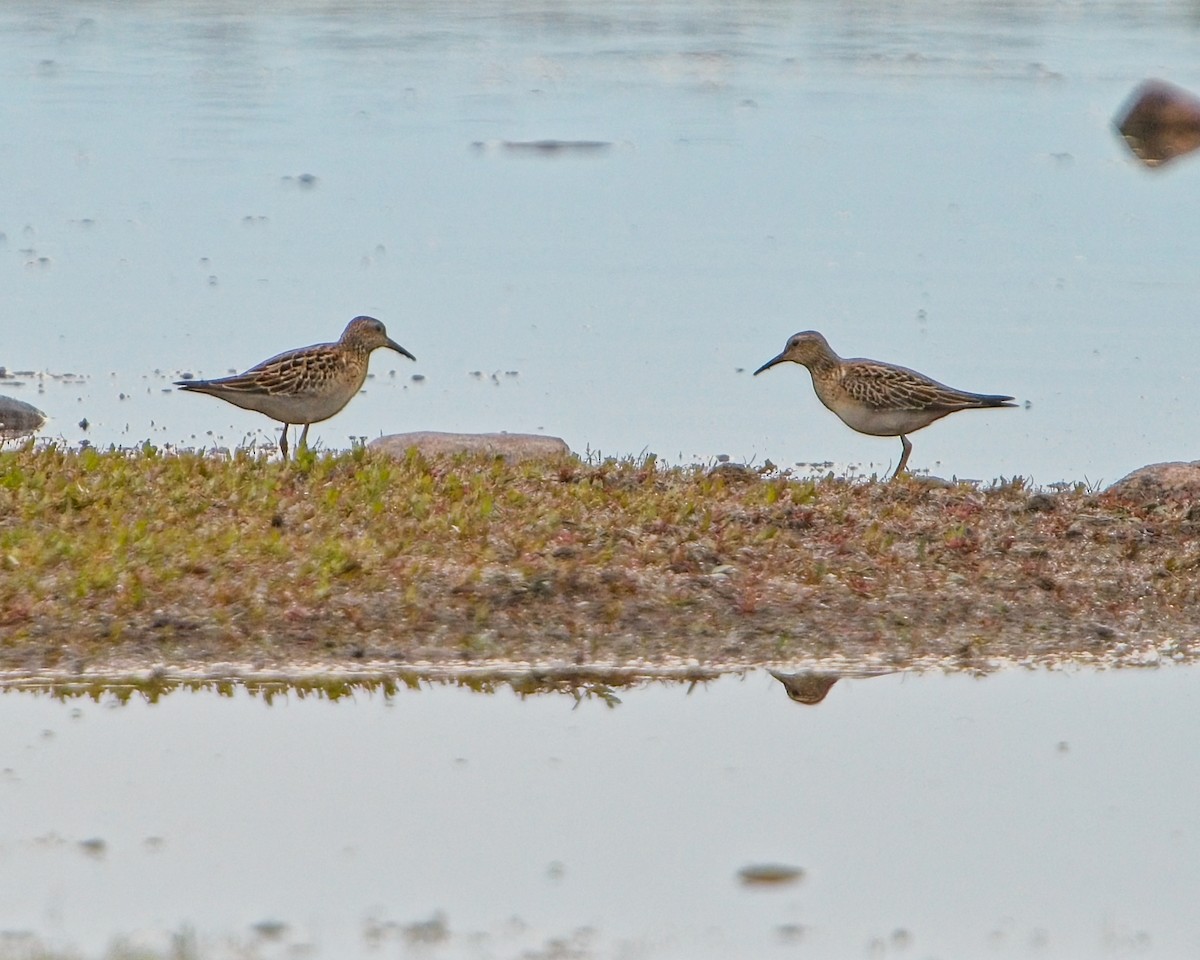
[(367, 334), (807, 348)]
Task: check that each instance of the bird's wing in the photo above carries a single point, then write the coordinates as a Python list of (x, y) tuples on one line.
[(884, 386), (295, 373)]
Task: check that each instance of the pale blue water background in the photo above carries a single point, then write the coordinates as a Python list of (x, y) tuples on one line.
[(933, 184), (1025, 814)]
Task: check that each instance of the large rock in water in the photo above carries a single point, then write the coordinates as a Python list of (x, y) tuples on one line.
[(511, 446), (1161, 481), (1160, 122), (18, 418)]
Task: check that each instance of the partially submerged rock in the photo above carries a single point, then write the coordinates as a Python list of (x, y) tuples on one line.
[(1160, 122), (19, 419), (770, 874), (1176, 480), (513, 447)]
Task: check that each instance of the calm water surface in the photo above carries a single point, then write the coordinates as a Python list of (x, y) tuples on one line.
[(194, 186), (1023, 814)]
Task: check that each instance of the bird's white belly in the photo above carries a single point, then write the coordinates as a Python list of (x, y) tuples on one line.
[(882, 423), (294, 408)]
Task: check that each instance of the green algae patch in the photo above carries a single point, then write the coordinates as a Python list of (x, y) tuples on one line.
[(119, 559)]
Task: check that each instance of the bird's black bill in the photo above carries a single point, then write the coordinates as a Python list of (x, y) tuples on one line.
[(769, 364), (399, 349)]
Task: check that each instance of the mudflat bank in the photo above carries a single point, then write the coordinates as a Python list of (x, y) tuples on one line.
[(121, 561)]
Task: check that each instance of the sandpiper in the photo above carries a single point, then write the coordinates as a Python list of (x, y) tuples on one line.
[(880, 399), (307, 385)]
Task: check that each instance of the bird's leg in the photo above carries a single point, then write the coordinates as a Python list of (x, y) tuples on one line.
[(283, 444), (904, 456), (303, 444)]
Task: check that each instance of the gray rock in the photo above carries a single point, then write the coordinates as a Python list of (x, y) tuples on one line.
[(19, 419), (1161, 481), (512, 446)]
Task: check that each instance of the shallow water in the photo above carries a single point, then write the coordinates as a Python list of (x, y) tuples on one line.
[(934, 185), (1021, 814)]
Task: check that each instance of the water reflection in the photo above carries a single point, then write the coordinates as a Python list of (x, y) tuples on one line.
[(423, 816), (806, 688), (578, 682), (810, 687), (603, 684)]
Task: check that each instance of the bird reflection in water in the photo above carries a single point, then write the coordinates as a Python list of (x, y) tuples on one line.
[(810, 687)]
